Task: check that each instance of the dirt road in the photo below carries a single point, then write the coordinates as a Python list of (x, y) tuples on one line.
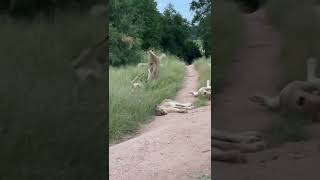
[(257, 69), (172, 147)]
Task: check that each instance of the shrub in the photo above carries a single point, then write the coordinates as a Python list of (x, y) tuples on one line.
[(123, 49)]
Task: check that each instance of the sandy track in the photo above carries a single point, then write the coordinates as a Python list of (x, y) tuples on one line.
[(257, 70), (176, 146)]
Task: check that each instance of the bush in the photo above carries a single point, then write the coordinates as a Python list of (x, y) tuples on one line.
[(123, 49), (191, 51)]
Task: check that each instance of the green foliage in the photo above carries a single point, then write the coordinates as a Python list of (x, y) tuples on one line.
[(204, 70), (46, 131), (203, 177), (227, 31), (123, 49), (141, 20), (200, 101), (191, 51), (176, 36), (202, 9), (127, 108), (137, 18)]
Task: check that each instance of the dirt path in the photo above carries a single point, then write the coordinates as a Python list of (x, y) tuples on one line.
[(175, 146), (257, 69)]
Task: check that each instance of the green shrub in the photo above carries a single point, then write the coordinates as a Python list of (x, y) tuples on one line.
[(191, 51), (123, 49)]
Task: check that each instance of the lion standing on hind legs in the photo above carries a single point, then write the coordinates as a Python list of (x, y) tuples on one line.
[(154, 65)]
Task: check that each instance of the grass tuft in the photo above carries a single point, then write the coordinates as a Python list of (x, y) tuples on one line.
[(288, 129), (204, 69)]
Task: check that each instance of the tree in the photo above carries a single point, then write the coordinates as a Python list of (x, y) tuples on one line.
[(202, 18), (177, 35)]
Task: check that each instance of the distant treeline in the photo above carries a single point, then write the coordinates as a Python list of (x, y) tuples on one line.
[(29, 8), (136, 25)]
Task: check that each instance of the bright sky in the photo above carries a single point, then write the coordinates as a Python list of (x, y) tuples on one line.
[(182, 6)]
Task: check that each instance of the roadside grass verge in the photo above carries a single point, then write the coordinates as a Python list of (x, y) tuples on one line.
[(128, 109), (44, 128), (288, 129), (202, 177), (227, 34), (204, 70), (200, 101)]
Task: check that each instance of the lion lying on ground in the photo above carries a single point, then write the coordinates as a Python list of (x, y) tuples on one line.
[(204, 91), (170, 106), (297, 96)]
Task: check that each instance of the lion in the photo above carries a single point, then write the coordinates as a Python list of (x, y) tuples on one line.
[(154, 64), (297, 96), (91, 63), (170, 106), (204, 91)]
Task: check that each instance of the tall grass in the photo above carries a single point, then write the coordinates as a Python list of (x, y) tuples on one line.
[(128, 109), (227, 33), (203, 67), (46, 131)]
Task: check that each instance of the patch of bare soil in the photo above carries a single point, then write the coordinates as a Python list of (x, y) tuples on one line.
[(257, 69), (176, 146)]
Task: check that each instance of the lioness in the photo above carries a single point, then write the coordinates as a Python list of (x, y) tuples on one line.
[(170, 106), (204, 91)]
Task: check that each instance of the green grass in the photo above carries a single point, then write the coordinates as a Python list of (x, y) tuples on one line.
[(128, 109), (46, 130), (227, 34), (202, 177), (204, 69), (288, 129), (201, 101)]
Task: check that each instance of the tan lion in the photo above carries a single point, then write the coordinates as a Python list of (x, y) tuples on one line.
[(204, 91), (170, 106)]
